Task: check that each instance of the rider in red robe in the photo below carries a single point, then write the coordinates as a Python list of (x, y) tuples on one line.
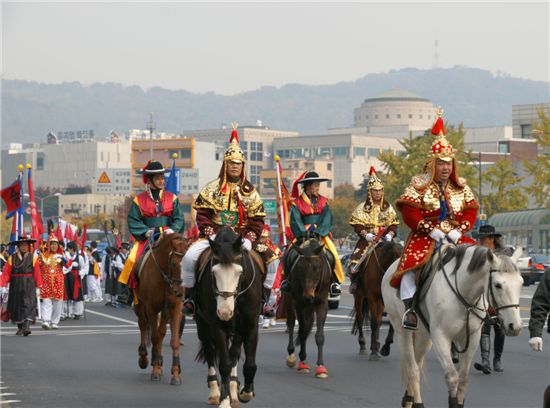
[(438, 207)]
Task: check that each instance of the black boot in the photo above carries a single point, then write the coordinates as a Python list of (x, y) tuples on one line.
[(497, 365), (26, 327), (189, 302), (19, 329), (267, 311), (485, 349), (354, 283), (285, 286), (410, 319)]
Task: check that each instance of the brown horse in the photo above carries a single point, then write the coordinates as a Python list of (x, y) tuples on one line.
[(160, 299), (368, 297), (309, 274)]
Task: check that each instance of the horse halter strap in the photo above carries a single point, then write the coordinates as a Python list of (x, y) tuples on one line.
[(167, 277), (236, 293), (494, 302)]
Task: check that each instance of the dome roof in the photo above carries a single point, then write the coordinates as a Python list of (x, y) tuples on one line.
[(396, 95)]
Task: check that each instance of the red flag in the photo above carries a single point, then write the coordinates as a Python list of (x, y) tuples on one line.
[(284, 202), (69, 235), (12, 197), (59, 233), (37, 229), (118, 241), (83, 238)]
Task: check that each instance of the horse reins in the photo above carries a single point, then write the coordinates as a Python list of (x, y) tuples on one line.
[(167, 277)]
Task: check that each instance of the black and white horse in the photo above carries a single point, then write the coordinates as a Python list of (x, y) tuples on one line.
[(228, 296)]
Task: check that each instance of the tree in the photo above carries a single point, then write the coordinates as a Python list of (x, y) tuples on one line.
[(399, 169), (342, 205), (540, 168), (505, 194)]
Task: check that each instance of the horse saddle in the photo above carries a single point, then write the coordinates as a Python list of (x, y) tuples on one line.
[(206, 255), (291, 256), (138, 266)]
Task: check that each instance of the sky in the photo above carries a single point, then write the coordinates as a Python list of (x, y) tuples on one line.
[(229, 48)]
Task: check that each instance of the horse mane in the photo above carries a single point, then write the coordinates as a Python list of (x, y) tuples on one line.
[(309, 246), (480, 257)]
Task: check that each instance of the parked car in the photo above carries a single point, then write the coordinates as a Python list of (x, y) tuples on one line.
[(334, 301), (533, 267)]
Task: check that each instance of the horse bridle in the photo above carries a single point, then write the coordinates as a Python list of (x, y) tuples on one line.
[(167, 277), (236, 293)]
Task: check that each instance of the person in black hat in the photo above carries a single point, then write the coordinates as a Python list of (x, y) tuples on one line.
[(311, 214), (153, 212), (493, 240), (25, 282)]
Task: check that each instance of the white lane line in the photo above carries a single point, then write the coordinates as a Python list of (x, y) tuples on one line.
[(112, 317), (9, 402)]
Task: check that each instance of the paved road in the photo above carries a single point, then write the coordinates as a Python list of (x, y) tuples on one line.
[(93, 363)]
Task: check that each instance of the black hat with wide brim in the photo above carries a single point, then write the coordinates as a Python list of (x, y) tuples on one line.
[(311, 177), (153, 167), (488, 231), (23, 240)]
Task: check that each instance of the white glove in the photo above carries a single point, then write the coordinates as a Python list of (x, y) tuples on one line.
[(3, 290), (168, 231), (247, 245), (536, 343), (388, 237), (437, 235), (38, 292), (57, 256), (369, 237), (149, 233), (454, 235)]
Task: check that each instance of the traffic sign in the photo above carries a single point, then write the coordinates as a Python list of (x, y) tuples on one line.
[(113, 181), (270, 207), (189, 181), (104, 178)]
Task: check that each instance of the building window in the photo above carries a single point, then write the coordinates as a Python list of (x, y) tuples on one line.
[(40, 161), (373, 152), (398, 116), (255, 174), (410, 116), (359, 151), (340, 151), (387, 116), (329, 166), (324, 151), (376, 116), (420, 116), (186, 208), (525, 131), (329, 183), (283, 154), (503, 147), (366, 116)]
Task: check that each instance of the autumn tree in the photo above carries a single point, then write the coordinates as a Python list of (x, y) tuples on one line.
[(342, 205), (505, 192), (539, 169)]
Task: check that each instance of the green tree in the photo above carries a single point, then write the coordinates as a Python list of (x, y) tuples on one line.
[(539, 169), (399, 169), (505, 193)]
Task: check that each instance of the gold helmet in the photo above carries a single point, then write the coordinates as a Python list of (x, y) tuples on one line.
[(441, 148), (374, 182)]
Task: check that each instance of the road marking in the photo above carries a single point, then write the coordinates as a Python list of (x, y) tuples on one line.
[(112, 317), (9, 402)]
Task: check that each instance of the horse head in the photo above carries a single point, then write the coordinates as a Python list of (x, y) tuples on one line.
[(504, 289), (171, 248), (227, 259), (309, 267)]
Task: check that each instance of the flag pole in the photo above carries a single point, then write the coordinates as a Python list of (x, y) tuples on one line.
[(20, 212), (281, 204)]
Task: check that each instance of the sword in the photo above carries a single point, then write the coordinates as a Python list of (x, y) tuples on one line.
[(367, 253), (38, 306)]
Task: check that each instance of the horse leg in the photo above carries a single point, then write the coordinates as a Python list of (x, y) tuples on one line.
[(175, 322), (290, 323), (234, 355), (385, 351), (422, 344), (156, 359), (145, 334), (376, 309), (305, 321), (249, 368), (225, 366), (321, 313), (464, 368), (408, 362), (213, 385), (359, 316), (442, 347)]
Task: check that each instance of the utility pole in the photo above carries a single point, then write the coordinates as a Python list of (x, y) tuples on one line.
[(150, 126)]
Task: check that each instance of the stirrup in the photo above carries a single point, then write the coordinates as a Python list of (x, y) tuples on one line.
[(407, 324)]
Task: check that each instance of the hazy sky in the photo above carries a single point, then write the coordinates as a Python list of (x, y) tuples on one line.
[(235, 47)]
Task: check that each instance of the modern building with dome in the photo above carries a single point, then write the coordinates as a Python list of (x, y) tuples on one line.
[(395, 107)]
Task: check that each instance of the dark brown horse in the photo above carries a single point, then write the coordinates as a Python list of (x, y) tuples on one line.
[(160, 299), (368, 297), (228, 297), (309, 275)]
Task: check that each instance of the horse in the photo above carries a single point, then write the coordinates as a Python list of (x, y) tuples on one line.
[(228, 295), (159, 299), (453, 308), (309, 276), (368, 298)]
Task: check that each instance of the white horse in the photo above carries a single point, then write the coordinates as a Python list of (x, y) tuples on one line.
[(454, 307)]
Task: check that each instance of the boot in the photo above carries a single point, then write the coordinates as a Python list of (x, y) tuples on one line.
[(19, 329), (354, 284), (189, 302), (485, 349), (285, 286), (267, 311), (497, 365), (26, 328), (410, 319), (454, 353)]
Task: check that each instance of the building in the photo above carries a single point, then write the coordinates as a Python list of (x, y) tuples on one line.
[(498, 142), (395, 107), (523, 118), (78, 205), (255, 141), (351, 154)]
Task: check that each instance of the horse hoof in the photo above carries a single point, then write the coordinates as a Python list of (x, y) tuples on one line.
[(374, 356), (385, 350), (291, 361), (143, 363), (303, 367), (155, 377), (175, 381), (245, 397), (226, 403), (235, 404), (213, 400), (321, 372)]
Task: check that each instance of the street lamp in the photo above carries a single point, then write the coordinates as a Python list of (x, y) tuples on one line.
[(42, 201)]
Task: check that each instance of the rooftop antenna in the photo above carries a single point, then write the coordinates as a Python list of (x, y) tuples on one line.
[(151, 126)]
